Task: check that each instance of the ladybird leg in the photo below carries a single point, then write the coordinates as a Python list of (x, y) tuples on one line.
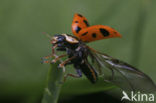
[(58, 58), (78, 75), (53, 53), (53, 50), (66, 61), (44, 59)]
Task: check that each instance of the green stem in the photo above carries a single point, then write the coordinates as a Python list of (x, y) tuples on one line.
[(53, 86)]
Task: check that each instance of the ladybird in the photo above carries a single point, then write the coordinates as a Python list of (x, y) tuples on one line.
[(86, 33), (94, 64)]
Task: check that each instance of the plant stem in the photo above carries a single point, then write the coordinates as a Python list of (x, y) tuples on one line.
[(53, 86)]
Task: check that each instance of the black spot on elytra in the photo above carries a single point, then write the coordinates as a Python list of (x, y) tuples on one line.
[(79, 15), (86, 22), (104, 32), (77, 29), (94, 35), (115, 32), (84, 34), (76, 21)]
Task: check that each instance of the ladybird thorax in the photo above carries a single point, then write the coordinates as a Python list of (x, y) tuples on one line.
[(70, 39)]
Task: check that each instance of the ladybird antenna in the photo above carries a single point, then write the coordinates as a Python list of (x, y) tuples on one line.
[(47, 34)]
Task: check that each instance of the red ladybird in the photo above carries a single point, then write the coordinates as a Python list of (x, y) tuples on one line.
[(92, 63)]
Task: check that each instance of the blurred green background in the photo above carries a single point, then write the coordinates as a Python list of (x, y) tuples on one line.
[(22, 77)]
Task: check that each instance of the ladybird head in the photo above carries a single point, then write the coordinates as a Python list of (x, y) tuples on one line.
[(58, 38)]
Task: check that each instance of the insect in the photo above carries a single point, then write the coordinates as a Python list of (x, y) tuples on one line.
[(93, 63)]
